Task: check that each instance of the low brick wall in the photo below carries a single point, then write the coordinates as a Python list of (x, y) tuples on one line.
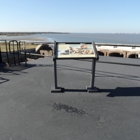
[(121, 53)]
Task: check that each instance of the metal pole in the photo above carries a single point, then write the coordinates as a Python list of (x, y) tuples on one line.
[(0, 55), (55, 74), (14, 54), (7, 54), (92, 88), (25, 54), (18, 51), (93, 73)]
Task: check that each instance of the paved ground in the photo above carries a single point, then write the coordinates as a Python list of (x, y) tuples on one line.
[(29, 111)]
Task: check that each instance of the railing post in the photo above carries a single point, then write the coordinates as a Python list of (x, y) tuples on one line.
[(13, 52), (0, 55), (24, 49), (7, 54)]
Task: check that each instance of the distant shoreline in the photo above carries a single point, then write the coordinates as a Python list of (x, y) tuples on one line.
[(29, 33)]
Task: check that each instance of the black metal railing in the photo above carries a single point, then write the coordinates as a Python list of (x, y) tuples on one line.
[(14, 50), (0, 55), (22, 50), (6, 48)]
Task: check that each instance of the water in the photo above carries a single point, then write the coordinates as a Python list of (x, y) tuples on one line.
[(81, 37), (96, 37)]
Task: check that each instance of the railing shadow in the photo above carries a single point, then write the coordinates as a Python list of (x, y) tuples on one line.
[(16, 70), (3, 80), (19, 68), (64, 67), (100, 73)]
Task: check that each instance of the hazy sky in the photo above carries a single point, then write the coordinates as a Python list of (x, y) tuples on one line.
[(91, 16)]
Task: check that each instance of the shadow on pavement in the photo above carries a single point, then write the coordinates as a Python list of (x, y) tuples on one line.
[(21, 67), (16, 70), (3, 80), (100, 74), (116, 75), (122, 91), (5, 69)]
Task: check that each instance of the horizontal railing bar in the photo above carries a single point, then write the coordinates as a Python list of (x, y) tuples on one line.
[(38, 42), (113, 44), (2, 41), (127, 64), (34, 54), (119, 63)]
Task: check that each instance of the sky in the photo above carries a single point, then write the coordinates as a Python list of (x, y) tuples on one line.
[(81, 16)]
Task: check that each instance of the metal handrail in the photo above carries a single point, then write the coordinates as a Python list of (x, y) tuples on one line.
[(6, 51), (13, 51), (0, 55), (23, 50)]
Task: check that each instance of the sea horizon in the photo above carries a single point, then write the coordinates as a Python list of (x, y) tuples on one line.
[(118, 38)]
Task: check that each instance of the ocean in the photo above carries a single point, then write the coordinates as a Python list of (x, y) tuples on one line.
[(80, 37), (96, 37)]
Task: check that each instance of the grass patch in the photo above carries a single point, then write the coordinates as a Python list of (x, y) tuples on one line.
[(28, 46)]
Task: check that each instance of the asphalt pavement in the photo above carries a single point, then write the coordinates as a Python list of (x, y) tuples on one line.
[(29, 111)]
